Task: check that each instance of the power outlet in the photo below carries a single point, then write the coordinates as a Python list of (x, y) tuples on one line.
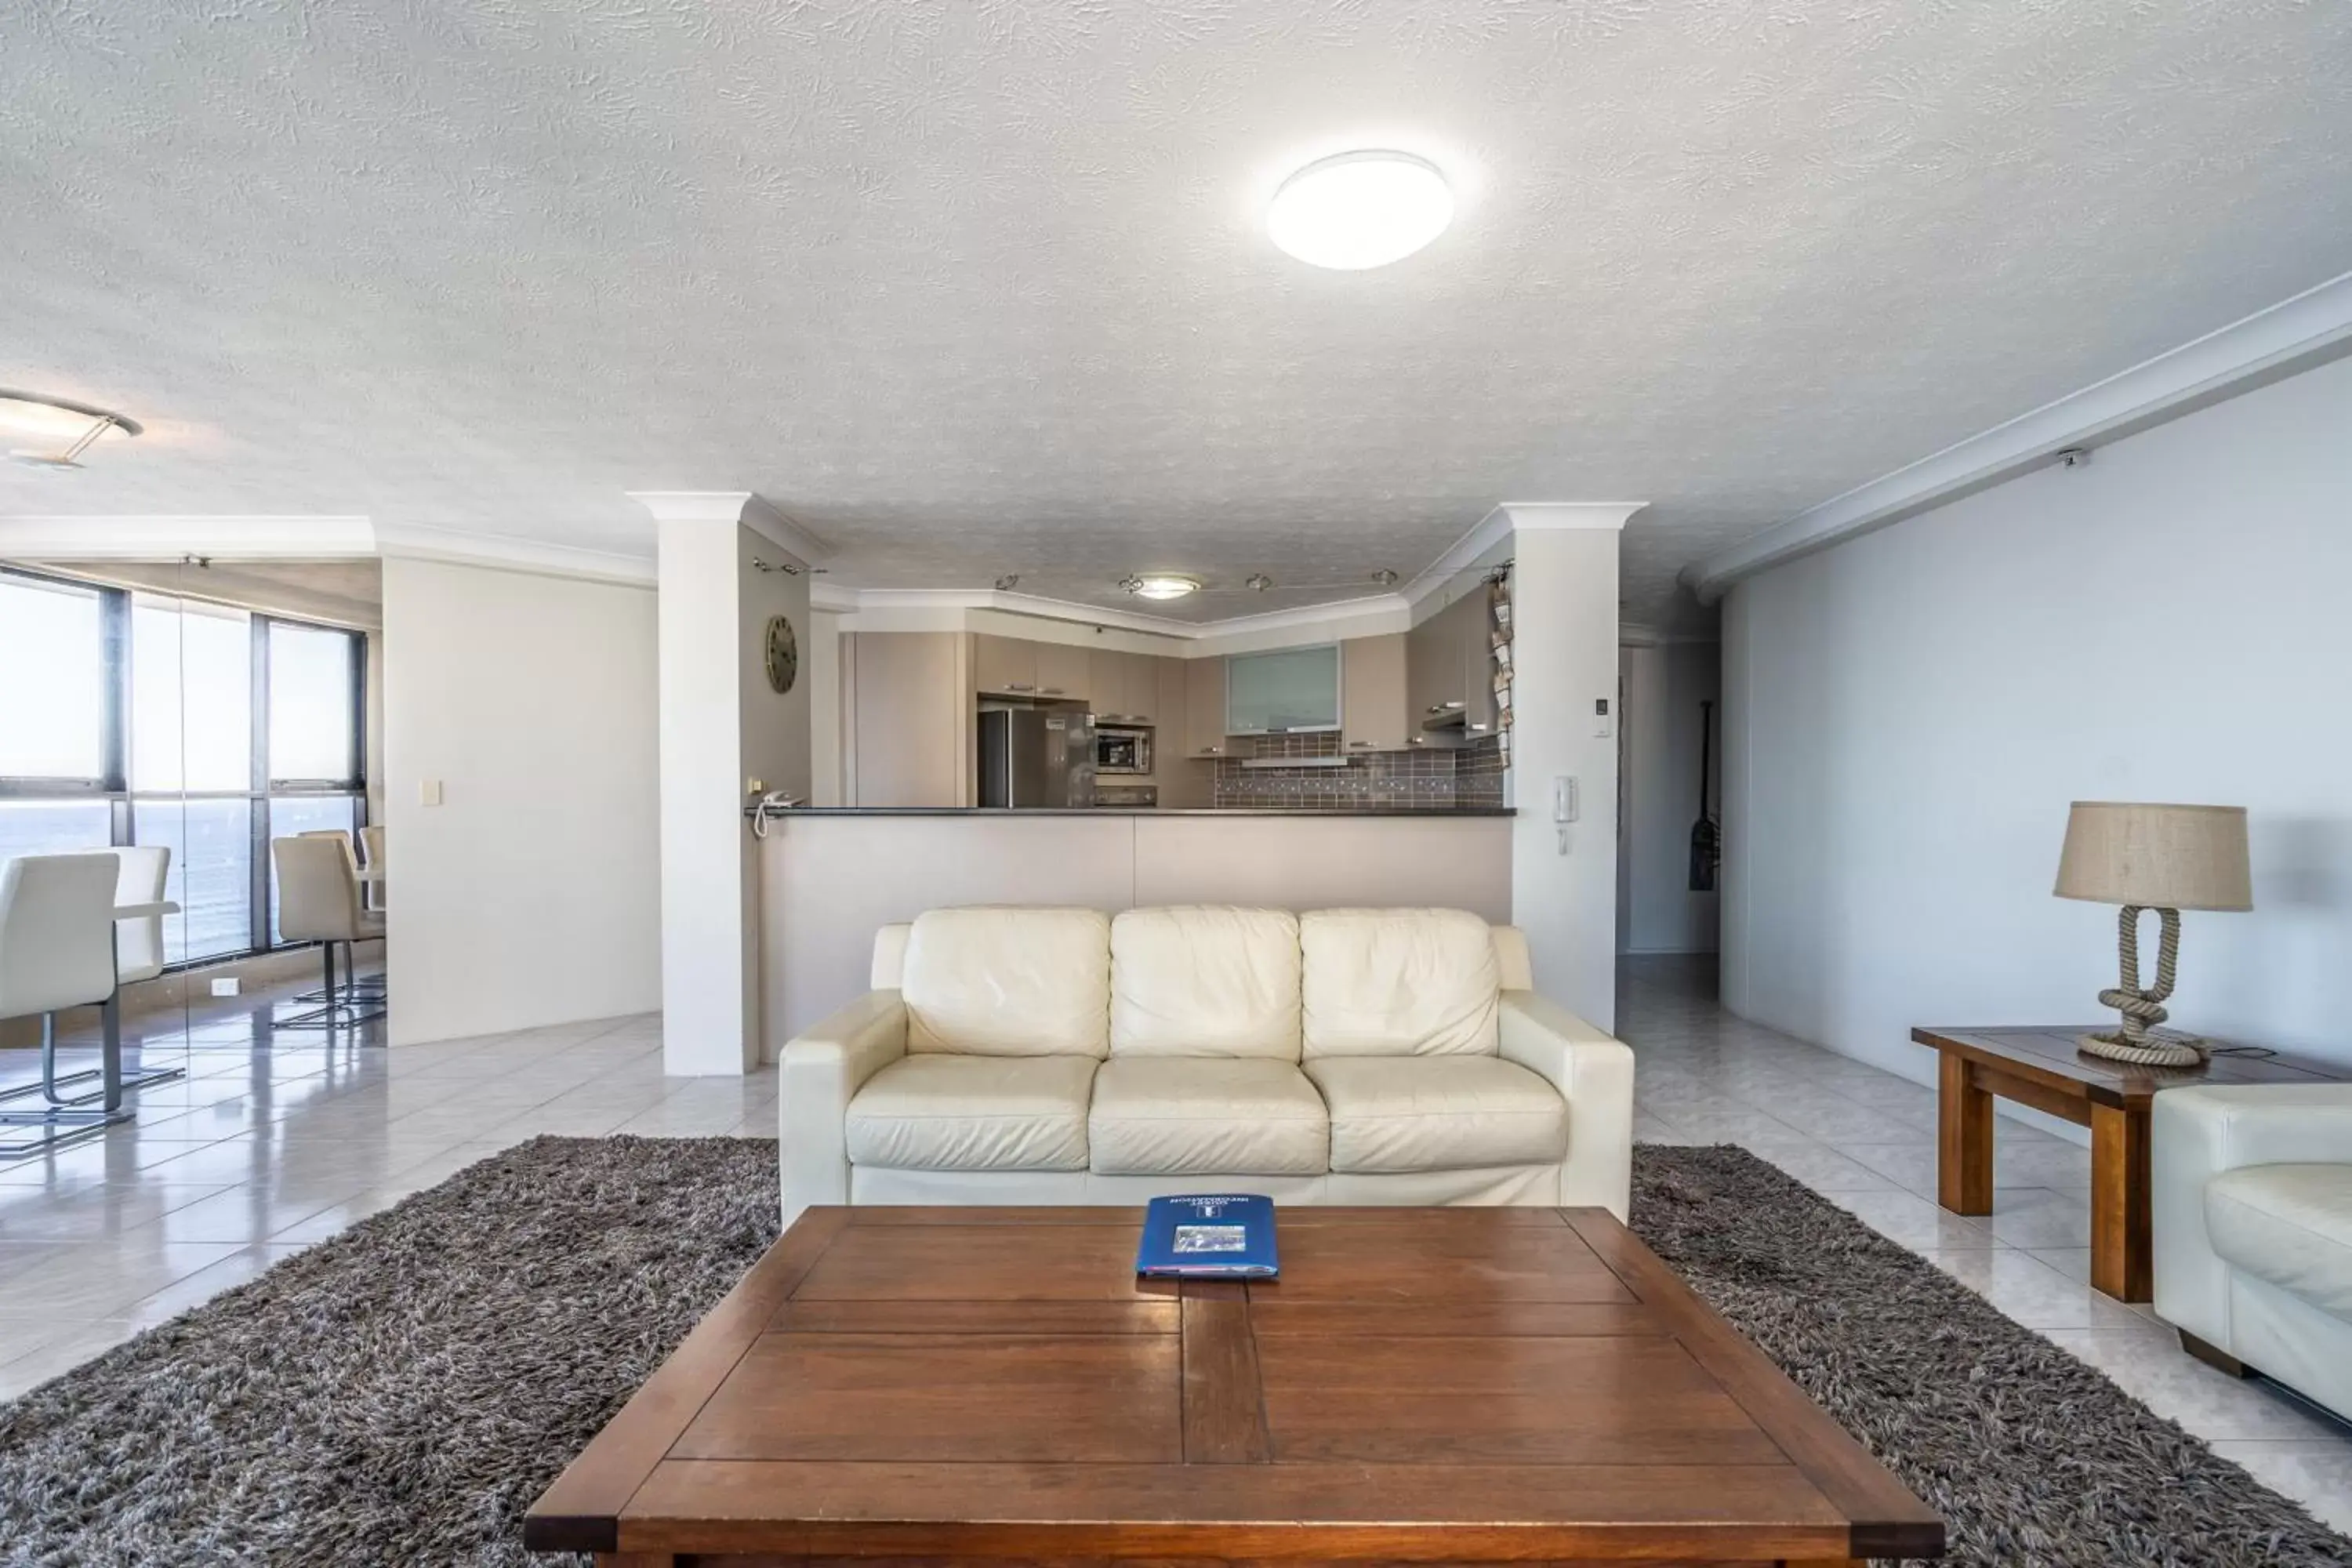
[(228, 987)]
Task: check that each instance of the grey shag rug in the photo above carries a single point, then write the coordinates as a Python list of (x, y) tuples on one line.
[(399, 1394)]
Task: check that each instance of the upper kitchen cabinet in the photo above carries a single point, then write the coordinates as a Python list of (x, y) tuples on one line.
[(1288, 690), (1004, 663), (1433, 670), (1374, 716), (1480, 714), (1123, 686), (1205, 707), (1062, 671)]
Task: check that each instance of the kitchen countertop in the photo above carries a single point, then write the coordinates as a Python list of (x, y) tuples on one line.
[(1135, 811)]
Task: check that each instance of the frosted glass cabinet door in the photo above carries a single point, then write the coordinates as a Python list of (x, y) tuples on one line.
[(1295, 688)]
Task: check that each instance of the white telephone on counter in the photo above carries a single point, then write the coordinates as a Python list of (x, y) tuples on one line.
[(773, 804)]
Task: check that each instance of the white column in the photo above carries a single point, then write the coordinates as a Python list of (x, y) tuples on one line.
[(1564, 726), (727, 563)]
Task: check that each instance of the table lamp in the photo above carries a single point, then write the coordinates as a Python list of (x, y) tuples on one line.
[(2164, 857)]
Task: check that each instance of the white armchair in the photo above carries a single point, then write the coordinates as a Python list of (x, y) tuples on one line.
[(2252, 1222)]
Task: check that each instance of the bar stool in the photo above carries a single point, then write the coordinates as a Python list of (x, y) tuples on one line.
[(57, 950), (318, 901)]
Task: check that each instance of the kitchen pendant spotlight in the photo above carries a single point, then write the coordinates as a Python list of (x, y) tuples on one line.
[(1009, 581), (65, 429), (1172, 585)]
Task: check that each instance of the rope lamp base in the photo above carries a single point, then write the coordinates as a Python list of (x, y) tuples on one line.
[(2135, 1042)]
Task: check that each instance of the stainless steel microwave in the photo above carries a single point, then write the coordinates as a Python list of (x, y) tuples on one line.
[(1122, 750)]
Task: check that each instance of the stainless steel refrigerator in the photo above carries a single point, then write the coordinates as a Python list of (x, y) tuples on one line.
[(1036, 757)]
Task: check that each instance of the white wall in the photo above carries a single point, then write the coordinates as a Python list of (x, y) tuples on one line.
[(1913, 710), (1664, 683), (1564, 647), (531, 894)]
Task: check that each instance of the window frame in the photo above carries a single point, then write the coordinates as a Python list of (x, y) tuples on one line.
[(112, 784)]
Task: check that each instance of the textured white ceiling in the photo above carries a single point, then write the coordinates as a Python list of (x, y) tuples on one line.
[(981, 287)]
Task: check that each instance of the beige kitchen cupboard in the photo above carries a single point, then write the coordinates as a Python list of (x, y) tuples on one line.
[(1204, 708), (1007, 665), (913, 718), (1124, 688), (1374, 715)]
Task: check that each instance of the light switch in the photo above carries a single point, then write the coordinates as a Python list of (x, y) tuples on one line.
[(1602, 725), (428, 792)]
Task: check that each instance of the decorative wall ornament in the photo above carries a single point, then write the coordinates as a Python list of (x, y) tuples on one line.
[(782, 652)]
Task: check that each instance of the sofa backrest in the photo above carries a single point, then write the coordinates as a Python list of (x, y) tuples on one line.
[(1397, 982), (1008, 982), (1204, 981)]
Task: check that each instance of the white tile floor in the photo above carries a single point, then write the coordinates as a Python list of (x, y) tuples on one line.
[(261, 1151), (1866, 1141)]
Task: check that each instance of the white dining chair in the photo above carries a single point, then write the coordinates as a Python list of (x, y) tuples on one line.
[(372, 859), (318, 901), (142, 872), (57, 950)]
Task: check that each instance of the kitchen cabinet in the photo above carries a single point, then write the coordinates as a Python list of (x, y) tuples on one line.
[(1062, 670), (1204, 708), (1374, 716), (1124, 688), (1432, 673), (914, 718), (1007, 665), (1287, 692), (1479, 713)]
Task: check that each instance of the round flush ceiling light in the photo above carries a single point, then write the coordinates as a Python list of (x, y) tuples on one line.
[(1361, 210), (52, 432), (1161, 585)]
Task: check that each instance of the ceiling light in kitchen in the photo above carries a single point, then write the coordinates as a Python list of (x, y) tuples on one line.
[(1161, 585), (53, 432), (1359, 210)]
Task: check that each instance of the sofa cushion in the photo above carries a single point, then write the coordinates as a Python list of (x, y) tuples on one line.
[(1164, 1116), (1438, 1113), (1204, 981), (941, 1112), (2289, 1224), (1009, 983), (1395, 982)]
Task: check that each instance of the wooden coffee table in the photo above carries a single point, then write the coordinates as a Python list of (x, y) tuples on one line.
[(1457, 1385), (2042, 1068)]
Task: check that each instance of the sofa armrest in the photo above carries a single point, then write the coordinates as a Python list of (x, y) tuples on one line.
[(818, 1075), (2195, 1133), (1594, 1073)]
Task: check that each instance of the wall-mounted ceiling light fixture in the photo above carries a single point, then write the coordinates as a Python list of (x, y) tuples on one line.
[(63, 429), (1159, 586), (1359, 210)]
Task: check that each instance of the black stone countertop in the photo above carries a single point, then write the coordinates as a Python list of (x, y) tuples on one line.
[(1138, 811)]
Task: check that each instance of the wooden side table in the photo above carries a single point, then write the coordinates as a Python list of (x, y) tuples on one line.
[(2041, 1067)]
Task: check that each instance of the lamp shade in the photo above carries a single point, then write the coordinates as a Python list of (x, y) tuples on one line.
[(2159, 857)]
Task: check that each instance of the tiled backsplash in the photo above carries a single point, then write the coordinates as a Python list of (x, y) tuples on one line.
[(1420, 780)]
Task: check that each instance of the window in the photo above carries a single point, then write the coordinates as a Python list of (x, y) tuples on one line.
[(313, 702), (53, 724), (158, 720)]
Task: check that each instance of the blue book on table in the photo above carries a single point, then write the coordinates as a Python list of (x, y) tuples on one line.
[(1212, 1236)]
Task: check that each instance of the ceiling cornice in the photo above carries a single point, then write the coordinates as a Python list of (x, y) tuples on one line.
[(2292, 335), (741, 506), (164, 538), (411, 543), (1546, 516)]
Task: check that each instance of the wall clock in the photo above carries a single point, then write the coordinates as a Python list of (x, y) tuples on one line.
[(783, 653)]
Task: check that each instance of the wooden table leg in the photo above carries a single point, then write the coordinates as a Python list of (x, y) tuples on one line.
[(1963, 1141), (2122, 1250)]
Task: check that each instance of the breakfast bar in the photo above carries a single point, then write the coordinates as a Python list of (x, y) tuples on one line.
[(829, 878)]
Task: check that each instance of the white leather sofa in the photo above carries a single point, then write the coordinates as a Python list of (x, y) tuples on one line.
[(1061, 1056), (2252, 1226)]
